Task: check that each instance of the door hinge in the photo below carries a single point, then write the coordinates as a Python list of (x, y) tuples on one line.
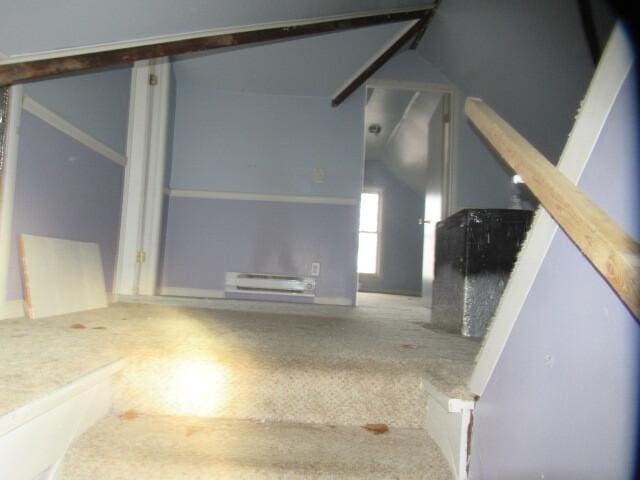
[(153, 79), (140, 256)]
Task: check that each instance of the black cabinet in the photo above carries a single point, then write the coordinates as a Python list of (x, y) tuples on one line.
[(475, 253)]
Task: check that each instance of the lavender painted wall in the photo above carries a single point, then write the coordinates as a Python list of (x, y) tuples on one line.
[(563, 400), (66, 190), (208, 237), (74, 98), (252, 143)]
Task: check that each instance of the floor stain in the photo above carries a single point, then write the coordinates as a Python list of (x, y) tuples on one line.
[(129, 415), (377, 428)]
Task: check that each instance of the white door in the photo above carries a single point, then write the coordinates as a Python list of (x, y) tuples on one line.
[(434, 204)]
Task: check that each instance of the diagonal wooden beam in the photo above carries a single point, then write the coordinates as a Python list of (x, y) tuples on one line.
[(612, 251), (418, 38), (416, 32), (58, 63), (378, 62)]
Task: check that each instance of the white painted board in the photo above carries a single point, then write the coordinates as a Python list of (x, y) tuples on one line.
[(60, 276)]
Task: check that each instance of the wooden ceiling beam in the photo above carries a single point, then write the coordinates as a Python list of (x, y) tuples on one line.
[(414, 34), (377, 62), (14, 71), (418, 38)]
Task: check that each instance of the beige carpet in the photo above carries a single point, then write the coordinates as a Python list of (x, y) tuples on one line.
[(292, 385), (174, 448)]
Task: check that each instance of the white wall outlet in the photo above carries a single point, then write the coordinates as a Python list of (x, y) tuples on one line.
[(319, 175), (315, 269)]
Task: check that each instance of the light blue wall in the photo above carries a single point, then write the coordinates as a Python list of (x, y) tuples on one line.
[(307, 66), (266, 144), (96, 102), (563, 400), (528, 59), (480, 179)]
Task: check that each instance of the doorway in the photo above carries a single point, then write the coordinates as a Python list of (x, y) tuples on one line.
[(406, 178)]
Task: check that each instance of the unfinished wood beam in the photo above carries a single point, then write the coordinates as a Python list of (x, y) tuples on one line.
[(13, 71), (378, 62), (418, 38), (612, 251)]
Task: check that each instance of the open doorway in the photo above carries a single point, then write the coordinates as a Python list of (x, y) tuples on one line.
[(406, 180)]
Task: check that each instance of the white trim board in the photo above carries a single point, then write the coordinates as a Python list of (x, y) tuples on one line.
[(447, 424), (56, 121), (612, 70), (202, 293), (338, 301), (193, 297), (51, 400), (158, 133), (180, 193), (12, 309), (450, 431), (8, 184), (191, 292), (47, 426), (65, 52)]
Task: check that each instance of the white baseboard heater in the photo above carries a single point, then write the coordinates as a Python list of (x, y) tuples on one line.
[(264, 284)]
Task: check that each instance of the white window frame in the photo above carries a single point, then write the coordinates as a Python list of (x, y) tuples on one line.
[(379, 192)]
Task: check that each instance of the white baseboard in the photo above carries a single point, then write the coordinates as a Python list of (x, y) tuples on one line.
[(341, 301), (12, 309), (211, 293), (191, 292)]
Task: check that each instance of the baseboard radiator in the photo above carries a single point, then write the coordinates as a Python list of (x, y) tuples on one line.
[(261, 284)]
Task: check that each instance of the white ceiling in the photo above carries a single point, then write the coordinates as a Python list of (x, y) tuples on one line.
[(30, 26), (402, 145), (309, 66)]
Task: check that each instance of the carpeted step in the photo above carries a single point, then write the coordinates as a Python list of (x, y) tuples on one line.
[(168, 447), (289, 388), (291, 368)]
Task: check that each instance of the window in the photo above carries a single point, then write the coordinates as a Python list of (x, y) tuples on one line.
[(369, 233)]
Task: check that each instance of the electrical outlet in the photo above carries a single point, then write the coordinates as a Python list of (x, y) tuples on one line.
[(315, 269), (319, 175)]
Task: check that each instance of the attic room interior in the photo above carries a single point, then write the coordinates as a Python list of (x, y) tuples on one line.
[(338, 239)]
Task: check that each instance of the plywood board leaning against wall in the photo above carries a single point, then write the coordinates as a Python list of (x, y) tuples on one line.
[(60, 276)]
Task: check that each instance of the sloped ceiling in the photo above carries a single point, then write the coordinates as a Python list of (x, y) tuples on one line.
[(310, 66), (402, 144), (529, 60), (30, 26)]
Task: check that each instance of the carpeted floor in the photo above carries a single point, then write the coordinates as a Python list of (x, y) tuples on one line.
[(301, 369)]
